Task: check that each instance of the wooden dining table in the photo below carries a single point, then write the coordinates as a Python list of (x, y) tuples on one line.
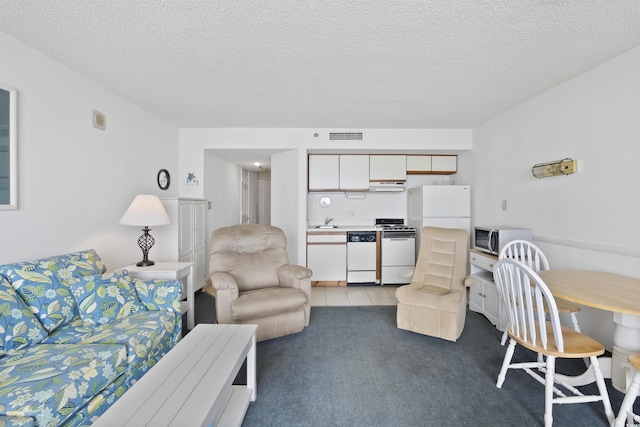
[(604, 291)]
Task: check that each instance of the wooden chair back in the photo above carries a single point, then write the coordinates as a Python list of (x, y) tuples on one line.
[(524, 294), (526, 252)]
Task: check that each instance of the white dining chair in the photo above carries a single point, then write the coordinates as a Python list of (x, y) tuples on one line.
[(626, 409), (524, 294), (532, 255)]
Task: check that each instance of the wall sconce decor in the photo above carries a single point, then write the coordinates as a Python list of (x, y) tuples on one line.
[(557, 167)]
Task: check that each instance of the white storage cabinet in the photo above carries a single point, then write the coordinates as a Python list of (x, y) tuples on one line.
[(186, 238), (327, 255), (324, 172), (354, 172), (387, 167), (483, 295)]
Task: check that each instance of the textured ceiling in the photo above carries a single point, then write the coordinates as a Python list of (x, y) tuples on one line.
[(326, 64)]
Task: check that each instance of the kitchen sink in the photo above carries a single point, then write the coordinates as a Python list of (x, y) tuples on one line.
[(330, 226)]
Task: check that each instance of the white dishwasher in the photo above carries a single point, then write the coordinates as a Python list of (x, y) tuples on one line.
[(361, 257)]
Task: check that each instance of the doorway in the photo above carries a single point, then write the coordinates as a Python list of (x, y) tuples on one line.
[(256, 197)]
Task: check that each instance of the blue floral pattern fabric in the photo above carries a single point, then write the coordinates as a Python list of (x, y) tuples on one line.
[(148, 336), (44, 284), (162, 295), (106, 297), (18, 325), (52, 382), (16, 421), (58, 369)]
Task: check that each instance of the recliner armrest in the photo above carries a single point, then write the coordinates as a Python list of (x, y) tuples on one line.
[(226, 293), (224, 282), (291, 275)]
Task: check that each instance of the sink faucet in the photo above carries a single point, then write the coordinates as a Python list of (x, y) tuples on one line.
[(327, 220)]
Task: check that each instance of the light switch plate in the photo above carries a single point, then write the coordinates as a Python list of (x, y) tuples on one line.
[(99, 120)]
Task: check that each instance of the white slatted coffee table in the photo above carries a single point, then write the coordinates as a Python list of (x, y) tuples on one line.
[(192, 384)]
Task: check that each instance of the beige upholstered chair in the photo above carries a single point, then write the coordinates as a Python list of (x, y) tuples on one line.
[(254, 282), (435, 302)]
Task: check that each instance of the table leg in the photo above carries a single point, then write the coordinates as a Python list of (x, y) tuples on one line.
[(626, 341), (251, 369), (191, 317), (588, 377)]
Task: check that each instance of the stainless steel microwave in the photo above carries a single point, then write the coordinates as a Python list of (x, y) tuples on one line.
[(493, 239)]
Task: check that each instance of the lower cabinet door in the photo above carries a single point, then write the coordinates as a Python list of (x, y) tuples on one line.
[(328, 262), (484, 299)]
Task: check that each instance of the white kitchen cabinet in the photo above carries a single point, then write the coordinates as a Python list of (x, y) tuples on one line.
[(444, 165), (432, 165), (327, 256), (418, 164), (387, 167), (483, 295), (324, 172), (185, 240), (354, 172)]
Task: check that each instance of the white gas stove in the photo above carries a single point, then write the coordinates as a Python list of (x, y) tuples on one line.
[(398, 251)]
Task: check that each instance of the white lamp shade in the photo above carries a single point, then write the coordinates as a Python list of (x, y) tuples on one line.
[(145, 211)]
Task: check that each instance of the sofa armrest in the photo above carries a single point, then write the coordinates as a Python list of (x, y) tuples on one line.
[(292, 276), (162, 295), (159, 295), (226, 293)]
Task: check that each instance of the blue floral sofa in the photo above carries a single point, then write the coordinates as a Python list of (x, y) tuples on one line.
[(74, 338)]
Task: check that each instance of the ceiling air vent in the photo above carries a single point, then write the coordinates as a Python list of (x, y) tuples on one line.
[(345, 136)]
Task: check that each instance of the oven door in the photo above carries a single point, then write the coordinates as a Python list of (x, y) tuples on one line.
[(398, 259)]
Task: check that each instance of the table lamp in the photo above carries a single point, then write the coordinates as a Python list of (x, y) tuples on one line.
[(145, 210)]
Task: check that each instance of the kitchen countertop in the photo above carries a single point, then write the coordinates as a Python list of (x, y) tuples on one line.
[(345, 228)]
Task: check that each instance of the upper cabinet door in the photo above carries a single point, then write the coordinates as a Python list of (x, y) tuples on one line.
[(434, 164), (444, 164), (387, 167), (324, 172), (354, 172), (418, 164)]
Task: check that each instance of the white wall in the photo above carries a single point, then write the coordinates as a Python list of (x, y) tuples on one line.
[(222, 186), (75, 181), (194, 143), (588, 220)]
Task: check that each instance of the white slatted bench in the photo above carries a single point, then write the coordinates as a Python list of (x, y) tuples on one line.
[(192, 384)]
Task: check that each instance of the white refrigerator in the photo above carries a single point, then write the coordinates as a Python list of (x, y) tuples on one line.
[(446, 206)]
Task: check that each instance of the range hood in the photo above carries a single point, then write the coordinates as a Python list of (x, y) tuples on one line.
[(387, 185)]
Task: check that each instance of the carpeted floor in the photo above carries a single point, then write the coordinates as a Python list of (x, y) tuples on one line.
[(353, 367)]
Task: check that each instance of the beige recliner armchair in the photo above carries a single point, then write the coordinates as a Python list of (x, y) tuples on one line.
[(254, 282), (435, 302)]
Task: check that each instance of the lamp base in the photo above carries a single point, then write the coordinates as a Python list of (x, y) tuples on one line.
[(145, 242)]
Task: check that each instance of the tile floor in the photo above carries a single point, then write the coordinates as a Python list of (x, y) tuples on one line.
[(353, 295)]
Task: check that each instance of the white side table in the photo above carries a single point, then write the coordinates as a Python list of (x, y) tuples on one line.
[(170, 271)]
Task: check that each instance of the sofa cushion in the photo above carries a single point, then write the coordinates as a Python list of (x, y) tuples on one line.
[(255, 304), (52, 382), (18, 325), (44, 284), (106, 297), (148, 336)]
